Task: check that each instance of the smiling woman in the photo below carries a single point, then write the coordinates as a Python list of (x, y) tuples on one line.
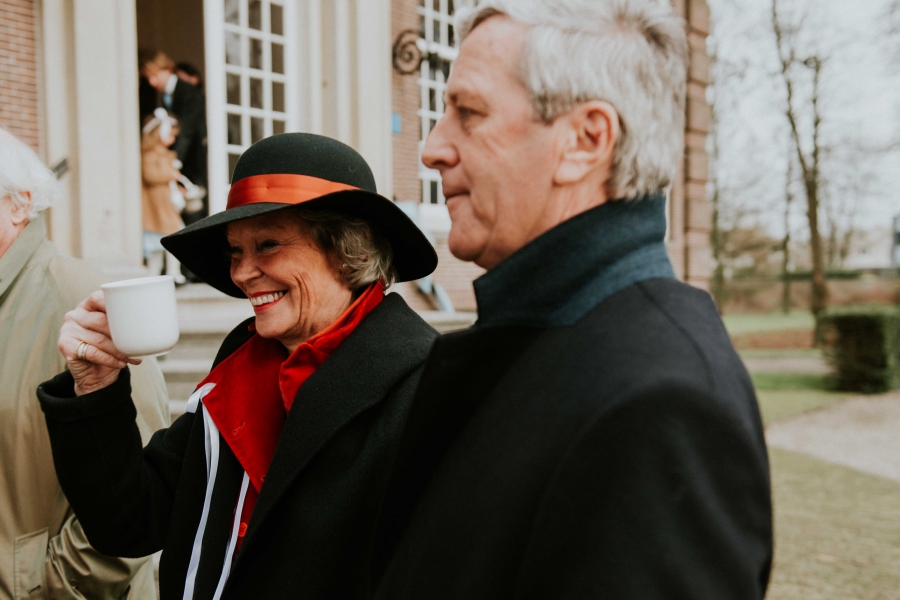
[(287, 504)]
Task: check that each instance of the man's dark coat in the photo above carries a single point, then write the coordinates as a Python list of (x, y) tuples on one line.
[(593, 436), (189, 107), (310, 533)]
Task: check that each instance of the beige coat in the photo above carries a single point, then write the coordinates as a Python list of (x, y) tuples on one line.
[(159, 214), (43, 551)]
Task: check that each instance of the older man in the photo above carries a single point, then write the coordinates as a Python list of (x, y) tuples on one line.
[(594, 435), (43, 551)]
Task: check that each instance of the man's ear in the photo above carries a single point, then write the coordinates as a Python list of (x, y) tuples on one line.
[(21, 209), (591, 131)]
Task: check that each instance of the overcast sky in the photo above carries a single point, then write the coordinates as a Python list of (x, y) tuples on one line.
[(860, 104)]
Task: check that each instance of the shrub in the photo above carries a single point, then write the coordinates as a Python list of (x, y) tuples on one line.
[(863, 346)]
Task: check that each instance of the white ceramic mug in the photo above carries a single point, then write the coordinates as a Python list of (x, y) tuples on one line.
[(142, 314)]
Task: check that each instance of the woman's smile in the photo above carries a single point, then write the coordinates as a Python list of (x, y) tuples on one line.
[(263, 300)]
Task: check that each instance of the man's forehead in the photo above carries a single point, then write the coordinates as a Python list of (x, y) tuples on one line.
[(488, 56)]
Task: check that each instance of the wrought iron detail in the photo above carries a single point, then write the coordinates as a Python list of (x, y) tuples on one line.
[(407, 54)]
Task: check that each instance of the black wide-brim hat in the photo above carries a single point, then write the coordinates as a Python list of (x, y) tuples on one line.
[(300, 169)]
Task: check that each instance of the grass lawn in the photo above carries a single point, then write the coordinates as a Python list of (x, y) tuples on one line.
[(740, 323), (783, 395), (837, 532)]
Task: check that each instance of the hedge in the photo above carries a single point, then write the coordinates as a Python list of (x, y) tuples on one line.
[(863, 345)]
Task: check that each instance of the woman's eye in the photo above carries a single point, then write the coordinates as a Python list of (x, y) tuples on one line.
[(268, 245), (233, 251)]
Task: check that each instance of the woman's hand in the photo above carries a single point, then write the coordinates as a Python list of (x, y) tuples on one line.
[(102, 360)]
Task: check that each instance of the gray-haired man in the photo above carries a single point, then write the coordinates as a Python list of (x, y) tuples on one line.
[(594, 435)]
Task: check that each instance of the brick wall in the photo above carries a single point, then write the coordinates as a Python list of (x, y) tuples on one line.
[(19, 71), (405, 100), (689, 245)]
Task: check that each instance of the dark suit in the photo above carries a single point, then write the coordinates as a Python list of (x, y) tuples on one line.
[(311, 532), (188, 104), (593, 436)]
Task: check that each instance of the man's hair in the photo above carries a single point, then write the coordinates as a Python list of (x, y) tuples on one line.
[(630, 53), (22, 171), (155, 58), (365, 255)]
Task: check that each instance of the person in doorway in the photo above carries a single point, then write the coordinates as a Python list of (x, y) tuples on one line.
[(594, 435), (44, 552), (187, 103), (161, 198), (269, 485)]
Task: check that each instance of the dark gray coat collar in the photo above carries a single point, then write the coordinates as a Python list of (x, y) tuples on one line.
[(556, 279)]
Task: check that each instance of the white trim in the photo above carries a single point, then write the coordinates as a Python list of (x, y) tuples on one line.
[(212, 464), (232, 543)]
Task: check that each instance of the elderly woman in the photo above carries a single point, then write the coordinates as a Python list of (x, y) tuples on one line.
[(43, 550), (270, 483)]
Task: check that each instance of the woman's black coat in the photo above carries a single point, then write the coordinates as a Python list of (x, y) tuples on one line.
[(310, 535)]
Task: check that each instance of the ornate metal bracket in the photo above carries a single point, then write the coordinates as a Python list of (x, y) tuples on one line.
[(407, 54)]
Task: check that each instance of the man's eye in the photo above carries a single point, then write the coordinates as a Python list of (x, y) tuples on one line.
[(464, 113)]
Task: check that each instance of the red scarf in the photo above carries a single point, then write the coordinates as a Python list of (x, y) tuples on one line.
[(256, 387)]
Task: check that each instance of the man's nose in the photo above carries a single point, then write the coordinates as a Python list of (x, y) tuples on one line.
[(438, 152)]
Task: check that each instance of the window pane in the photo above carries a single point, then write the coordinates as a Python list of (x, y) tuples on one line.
[(277, 96), (277, 58), (254, 14), (234, 129), (256, 93), (232, 161), (256, 47), (277, 127), (232, 48), (232, 12), (233, 83), (432, 99), (257, 127), (277, 14)]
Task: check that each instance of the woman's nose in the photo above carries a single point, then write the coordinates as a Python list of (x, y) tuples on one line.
[(243, 269)]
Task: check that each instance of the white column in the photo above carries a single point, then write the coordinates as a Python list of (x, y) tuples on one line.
[(373, 102), (311, 69), (109, 177), (216, 134), (60, 118), (343, 71)]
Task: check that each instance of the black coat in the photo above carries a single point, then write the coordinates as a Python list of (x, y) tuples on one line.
[(189, 107), (619, 458), (310, 535)]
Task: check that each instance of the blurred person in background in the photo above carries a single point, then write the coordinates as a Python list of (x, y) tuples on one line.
[(43, 550), (594, 435), (187, 103), (161, 199)]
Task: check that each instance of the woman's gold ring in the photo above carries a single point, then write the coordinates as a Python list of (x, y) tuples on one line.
[(81, 350)]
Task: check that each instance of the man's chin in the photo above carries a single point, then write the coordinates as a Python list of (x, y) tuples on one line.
[(462, 247)]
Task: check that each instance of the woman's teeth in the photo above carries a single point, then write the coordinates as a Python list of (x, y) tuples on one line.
[(265, 299)]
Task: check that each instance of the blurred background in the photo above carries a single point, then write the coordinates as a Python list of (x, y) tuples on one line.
[(786, 207)]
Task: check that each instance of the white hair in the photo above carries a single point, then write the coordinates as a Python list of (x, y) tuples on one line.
[(630, 53), (22, 171)]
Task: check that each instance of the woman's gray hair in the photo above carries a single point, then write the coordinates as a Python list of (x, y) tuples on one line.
[(365, 254), (22, 171), (630, 53)]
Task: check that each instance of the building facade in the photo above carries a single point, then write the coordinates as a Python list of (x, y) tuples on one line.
[(343, 68)]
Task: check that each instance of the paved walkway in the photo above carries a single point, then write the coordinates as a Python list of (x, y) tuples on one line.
[(787, 364), (862, 433)]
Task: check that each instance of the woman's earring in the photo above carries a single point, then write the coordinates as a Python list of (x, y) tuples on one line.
[(343, 266)]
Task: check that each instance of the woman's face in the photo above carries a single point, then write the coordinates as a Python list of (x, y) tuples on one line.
[(295, 288)]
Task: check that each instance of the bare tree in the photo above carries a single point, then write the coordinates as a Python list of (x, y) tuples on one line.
[(786, 242), (809, 160)]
